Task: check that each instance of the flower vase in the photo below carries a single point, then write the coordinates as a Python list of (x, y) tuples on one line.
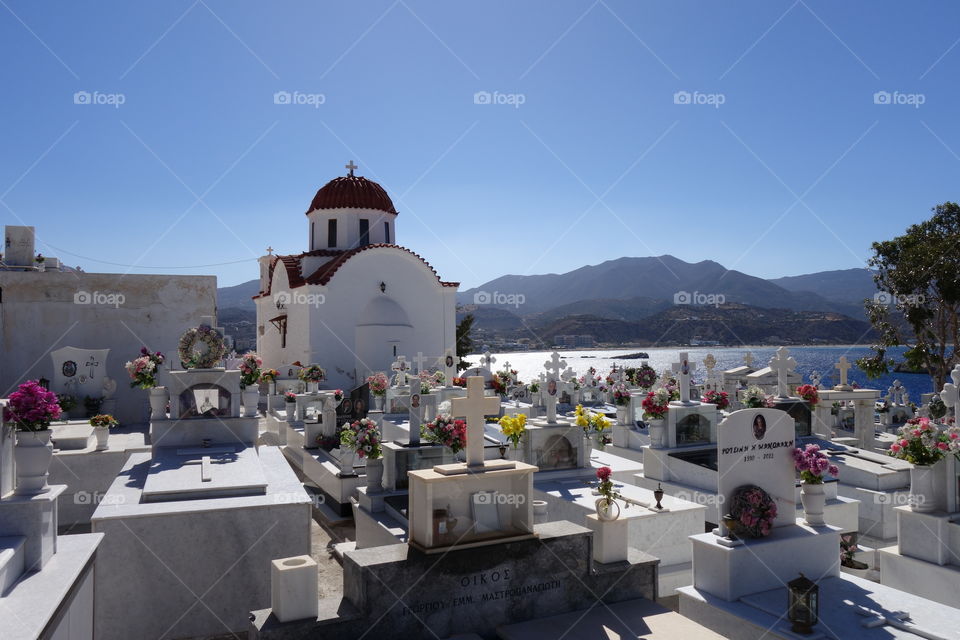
[(374, 475), (813, 499), (656, 432), (313, 387), (272, 388), (607, 509), (32, 454), (41, 267), (377, 403), (587, 448), (250, 397), (622, 415), (347, 458), (103, 435), (921, 488), (158, 403)]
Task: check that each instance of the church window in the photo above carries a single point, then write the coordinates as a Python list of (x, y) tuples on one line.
[(364, 232), (331, 233), (386, 232)]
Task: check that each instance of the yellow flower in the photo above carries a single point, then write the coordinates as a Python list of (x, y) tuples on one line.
[(581, 419), (600, 422)]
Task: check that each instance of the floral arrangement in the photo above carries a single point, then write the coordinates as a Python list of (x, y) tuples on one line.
[(40, 259), (809, 393), (378, 383), (645, 376), (655, 404), (936, 407), (514, 427), (327, 442), (497, 385), (921, 443), (882, 406), (66, 402), (753, 511), (446, 431), (534, 387), (363, 436), (621, 396), (312, 373), (460, 382), (591, 423), (250, 369), (813, 463), (719, 398), (103, 421), (269, 375), (143, 370), (338, 395), (755, 398), (605, 486), (191, 357), (31, 407), (848, 550), (428, 382), (289, 396)]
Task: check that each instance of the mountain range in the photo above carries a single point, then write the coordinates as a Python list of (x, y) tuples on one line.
[(680, 299)]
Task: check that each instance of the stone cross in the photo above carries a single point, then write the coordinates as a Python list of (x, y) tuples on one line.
[(783, 364), (843, 365), (449, 364), (474, 408), (709, 363), (748, 359), (419, 360), (896, 393), (401, 367), (350, 166), (415, 409), (815, 378), (951, 391), (685, 369), (488, 360), (554, 366)]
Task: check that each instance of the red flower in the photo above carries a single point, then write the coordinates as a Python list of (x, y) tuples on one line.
[(603, 473)]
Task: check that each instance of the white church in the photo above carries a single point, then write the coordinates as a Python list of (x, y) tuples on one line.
[(355, 300)]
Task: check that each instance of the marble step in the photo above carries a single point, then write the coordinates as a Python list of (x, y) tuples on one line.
[(73, 437), (11, 561)]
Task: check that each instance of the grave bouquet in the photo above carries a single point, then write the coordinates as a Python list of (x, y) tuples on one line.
[(937, 408), (621, 396), (719, 398), (250, 372), (809, 393), (753, 511), (593, 424), (143, 369), (655, 404), (428, 382), (312, 373), (534, 387), (607, 507), (378, 383), (755, 398), (289, 397), (31, 407), (447, 431), (363, 437), (645, 376), (460, 382), (813, 463), (66, 402), (338, 395), (514, 427), (269, 375), (920, 442), (103, 421)]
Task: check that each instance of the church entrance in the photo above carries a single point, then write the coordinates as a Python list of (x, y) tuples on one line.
[(382, 327)]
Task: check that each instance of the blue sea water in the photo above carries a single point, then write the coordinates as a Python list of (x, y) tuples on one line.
[(529, 364)]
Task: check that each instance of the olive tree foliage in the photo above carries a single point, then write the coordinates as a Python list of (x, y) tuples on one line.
[(918, 280)]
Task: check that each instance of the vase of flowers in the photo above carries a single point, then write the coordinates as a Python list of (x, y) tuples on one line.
[(812, 464), (312, 375), (378, 388), (923, 445), (848, 554), (654, 411), (754, 398), (41, 263), (606, 505), (270, 377), (719, 398), (621, 399), (30, 410), (250, 373), (363, 438), (102, 424), (513, 427), (809, 394), (67, 403), (446, 431)]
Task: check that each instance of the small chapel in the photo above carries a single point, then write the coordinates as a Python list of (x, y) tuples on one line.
[(355, 300)]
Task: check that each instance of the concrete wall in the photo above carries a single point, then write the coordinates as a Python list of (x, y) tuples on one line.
[(41, 312)]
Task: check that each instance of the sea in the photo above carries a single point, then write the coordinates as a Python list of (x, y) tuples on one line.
[(529, 364)]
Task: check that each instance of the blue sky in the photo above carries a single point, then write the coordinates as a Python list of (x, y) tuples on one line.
[(797, 170)]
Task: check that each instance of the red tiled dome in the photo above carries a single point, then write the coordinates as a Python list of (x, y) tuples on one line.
[(352, 192)]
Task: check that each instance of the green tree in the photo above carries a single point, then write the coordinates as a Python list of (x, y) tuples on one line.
[(918, 277), (464, 341)]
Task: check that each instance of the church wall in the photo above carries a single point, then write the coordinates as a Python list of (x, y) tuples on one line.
[(41, 312), (348, 227)]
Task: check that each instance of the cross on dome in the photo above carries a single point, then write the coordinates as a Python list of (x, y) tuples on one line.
[(350, 166)]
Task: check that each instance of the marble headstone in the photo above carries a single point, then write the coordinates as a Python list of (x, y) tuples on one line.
[(79, 372)]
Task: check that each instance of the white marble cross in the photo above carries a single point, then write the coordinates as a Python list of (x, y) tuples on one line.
[(401, 367), (951, 391), (488, 360), (783, 364), (474, 408), (554, 366), (843, 365), (350, 166), (815, 378), (748, 359), (685, 369), (419, 360)]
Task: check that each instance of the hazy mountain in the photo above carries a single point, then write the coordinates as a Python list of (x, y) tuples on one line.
[(849, 286), (239, 296)]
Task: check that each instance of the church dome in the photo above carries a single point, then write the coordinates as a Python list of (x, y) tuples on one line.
[(353, 192)]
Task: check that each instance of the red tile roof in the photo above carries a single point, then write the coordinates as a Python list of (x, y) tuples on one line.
[(352, 192)]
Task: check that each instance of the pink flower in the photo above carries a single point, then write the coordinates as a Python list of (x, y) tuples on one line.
[(895, 448)]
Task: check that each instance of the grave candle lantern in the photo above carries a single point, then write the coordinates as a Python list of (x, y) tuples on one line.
[(802, 604)]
